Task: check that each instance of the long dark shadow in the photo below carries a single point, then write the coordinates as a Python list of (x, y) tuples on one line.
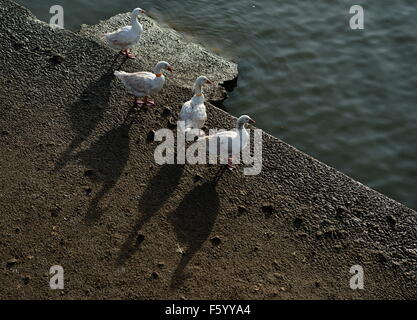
[(158, 191), (88, 111), (193, 222), (106, 159)]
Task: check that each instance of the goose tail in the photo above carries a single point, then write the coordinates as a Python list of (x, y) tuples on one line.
[(120, 74)]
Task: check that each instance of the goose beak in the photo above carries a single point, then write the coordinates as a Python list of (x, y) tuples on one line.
[(251, 121), (209, 82), (170, 69), (142, 11)]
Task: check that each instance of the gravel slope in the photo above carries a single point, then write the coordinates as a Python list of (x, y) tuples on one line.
[(79, 188)]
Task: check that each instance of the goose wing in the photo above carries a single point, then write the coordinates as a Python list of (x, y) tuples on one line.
[(220, 141), (138, 83), (122, 37), (186, 115)]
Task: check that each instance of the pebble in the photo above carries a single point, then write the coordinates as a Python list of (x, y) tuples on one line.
[(140, 238), (279, 276), (341, 210), (391, 220), (57, 58), (241, 209), (89, 173), (215, 241), (11, 263), (172, 124), (55, 211), (151, 136), (166, 112), (276, 265), (298, 222), (382, 257), (269, 234), (198, 178), (301, 235), (268, 209)]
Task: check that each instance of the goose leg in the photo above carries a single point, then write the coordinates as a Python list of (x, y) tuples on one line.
[(138, 102), (144, 102), (201, 133), (230, 164), (130, 54), (150, 102)]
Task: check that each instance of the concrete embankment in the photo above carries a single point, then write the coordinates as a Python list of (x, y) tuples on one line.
[(79, 188)]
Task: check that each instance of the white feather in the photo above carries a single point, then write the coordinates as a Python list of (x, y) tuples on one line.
[(126, 37)]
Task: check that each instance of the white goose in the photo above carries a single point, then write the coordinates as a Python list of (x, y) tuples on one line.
[(144, 84), (230, 142), (124, 38), (193, 112)]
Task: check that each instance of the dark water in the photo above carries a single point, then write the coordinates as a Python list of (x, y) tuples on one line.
[(347, 97)]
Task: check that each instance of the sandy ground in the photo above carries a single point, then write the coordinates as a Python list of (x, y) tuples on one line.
[(79, 188)]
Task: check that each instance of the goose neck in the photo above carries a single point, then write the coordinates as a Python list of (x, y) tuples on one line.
[(135, 24), (240, 125), (158, 70), (198, 89)]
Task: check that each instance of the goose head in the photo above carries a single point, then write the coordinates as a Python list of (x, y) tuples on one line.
[(162, 65), (201, 80), (244, 119), (137, 12)]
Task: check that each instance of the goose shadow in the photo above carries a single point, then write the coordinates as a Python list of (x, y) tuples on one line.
[(87, 112), (159, 189), (106, 160), (193, 222)]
